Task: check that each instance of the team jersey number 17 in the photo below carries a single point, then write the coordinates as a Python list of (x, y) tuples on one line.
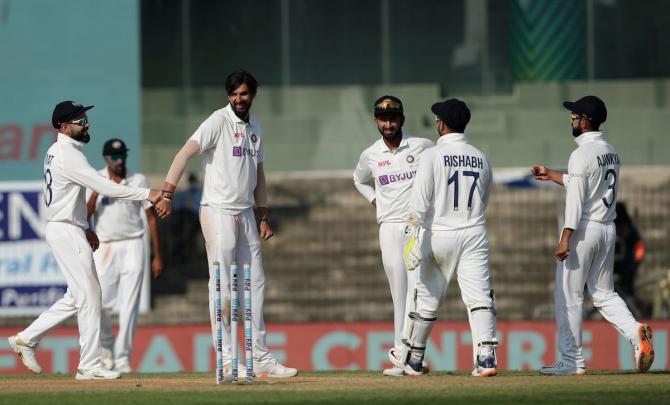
[(454, 180)]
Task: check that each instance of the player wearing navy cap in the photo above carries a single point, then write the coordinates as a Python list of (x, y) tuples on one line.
[(585, 252), (67, 174), (448, 199), (121, 257)]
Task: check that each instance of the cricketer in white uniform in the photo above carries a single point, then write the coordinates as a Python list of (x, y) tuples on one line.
[(585, 252), (67, 174), (448, 200), (121, 257), (384, 176), (231, 142)]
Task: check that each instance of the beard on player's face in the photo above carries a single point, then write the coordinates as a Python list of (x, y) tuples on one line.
[(119, 168), (240, 100), (390, 128), (576, 130), (79, 133), (241, 108)]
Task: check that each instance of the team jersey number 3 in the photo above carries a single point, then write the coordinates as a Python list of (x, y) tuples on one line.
[(612, 186), (454, 180), (48, 191)]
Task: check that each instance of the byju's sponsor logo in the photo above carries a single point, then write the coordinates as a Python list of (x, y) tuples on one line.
[(240, 151), (394, 178)]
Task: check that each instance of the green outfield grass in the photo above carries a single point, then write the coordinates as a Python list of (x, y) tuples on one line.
[(342, 387)]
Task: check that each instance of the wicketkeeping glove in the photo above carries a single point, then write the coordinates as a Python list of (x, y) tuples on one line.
[(411, 254)]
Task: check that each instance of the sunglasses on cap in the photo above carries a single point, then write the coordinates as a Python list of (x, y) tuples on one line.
[(388, 105), (81, 122)]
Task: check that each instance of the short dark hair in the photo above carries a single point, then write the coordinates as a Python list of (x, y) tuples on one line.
[(237, 78)]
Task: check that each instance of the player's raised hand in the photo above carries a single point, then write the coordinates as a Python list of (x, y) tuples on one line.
[(540, 172)]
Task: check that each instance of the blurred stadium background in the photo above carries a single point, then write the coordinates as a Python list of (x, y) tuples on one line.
[(155, 69)]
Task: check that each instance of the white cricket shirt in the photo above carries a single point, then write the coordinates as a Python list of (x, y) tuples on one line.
[(592, 181), (392, 173), (452, 185), (67, 174), (116, 219), (231, 151)]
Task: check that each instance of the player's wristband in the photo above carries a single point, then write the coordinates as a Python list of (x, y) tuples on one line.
[(167, 194), (266, 219)]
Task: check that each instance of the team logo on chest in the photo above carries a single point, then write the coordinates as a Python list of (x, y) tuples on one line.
[(254, 138), (387, 179), (409, 159), (239, 151)]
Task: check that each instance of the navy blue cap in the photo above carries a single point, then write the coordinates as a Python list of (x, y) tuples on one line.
[(590, 107), (453, 112), (65, 111), (113, 147)]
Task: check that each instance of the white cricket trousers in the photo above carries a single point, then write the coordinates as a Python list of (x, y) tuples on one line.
[(83, 297), (230, 238), (465, 251), (401, 281), (590, 263), (120, 266)]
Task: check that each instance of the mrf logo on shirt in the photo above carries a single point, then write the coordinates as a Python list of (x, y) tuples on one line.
[(393, 178), (240, 151), (384, 163)]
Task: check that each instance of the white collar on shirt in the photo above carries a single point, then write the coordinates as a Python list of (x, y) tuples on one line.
[(383, 147), (589, 137), (453, 137), (64, 138)]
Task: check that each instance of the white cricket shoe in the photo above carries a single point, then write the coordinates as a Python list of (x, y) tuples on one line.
[(107, 358), (393, 372), (274, 369), (644, 350), (25, 353), (559, 368), (410, 368), (486, 367), (123, 367), (99, 373)]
